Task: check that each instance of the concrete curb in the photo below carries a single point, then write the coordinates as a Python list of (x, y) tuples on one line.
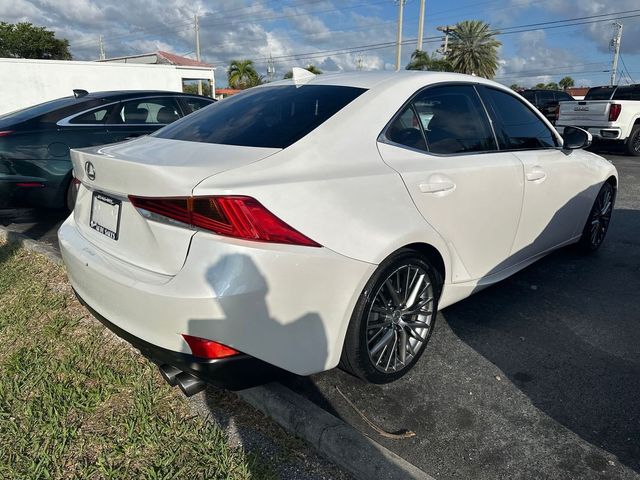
[(331, 437), (334, 439), (32, 245)]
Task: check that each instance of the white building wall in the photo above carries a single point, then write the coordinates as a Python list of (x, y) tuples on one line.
[(25, 82)]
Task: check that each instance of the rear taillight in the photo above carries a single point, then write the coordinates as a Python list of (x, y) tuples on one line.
[(614, 111), (203, 348), (231, 216), (5, 133)]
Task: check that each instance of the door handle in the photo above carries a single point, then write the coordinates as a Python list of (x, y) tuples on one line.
[(536, 175), (437, 187)]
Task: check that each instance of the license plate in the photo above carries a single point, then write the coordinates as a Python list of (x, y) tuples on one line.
[(105, 215)]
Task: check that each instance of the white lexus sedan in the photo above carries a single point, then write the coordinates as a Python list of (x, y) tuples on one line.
[(323, 220)]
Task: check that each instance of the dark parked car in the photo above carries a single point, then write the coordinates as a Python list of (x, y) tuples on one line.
[(546, 101), (35, 168)]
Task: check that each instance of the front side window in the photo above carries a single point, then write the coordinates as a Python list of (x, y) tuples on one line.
[(159, 111), (454, 120), (271, 117), (517, 127)]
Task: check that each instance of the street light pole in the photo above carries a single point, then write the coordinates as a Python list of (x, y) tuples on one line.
[(399, 38), (617, 39)]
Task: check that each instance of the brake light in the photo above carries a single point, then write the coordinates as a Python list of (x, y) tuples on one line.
[(30, 184), (5, 133), (614, 111), (203, 348), (232, 216)]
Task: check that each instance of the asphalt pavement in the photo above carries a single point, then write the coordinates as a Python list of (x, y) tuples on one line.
[(535, 377)]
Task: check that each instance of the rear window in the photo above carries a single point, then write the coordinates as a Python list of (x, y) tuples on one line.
[(627, 93), (599, 93), (272, 117)]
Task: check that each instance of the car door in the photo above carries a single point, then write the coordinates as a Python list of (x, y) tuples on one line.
[(442, 145), (142, 116), (553, 178)]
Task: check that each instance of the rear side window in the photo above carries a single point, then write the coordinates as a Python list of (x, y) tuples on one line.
[(627, 93), (545, 98), (529, 95), (92, 117), (194, 104), (516, 126), (405, 130), (272, 117), (563, 97), (599, 93)]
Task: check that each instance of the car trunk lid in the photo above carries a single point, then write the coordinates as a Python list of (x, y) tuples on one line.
[(146, 167)]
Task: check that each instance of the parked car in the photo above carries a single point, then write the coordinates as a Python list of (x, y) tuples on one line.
[(35, 168), (324, 220), (610, 114), (547, 101)]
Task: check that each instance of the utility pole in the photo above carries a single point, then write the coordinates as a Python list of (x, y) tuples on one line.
[(420, 25), (444, 47), (102, 55), (196, 24), (399, 38), (615, 44), (271, 68)]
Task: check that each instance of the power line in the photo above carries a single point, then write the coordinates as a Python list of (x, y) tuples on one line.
[(626, 69)]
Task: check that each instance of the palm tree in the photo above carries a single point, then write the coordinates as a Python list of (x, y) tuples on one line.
[(242, 74), (420, 60), (311, 67), (474, 49), (566, 82)]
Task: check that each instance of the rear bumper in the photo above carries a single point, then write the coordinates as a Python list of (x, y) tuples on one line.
[(598, 132), (287, 306), (232, 373)]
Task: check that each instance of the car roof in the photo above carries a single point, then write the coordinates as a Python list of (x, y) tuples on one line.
[(372, 80), (137, 93)]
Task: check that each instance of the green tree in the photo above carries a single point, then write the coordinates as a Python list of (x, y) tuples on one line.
[(242, 74), (515, 87), (24, 40), (474, 49), (566, 82), (312, 68), (420, 60), (552, 86), (541, 85)]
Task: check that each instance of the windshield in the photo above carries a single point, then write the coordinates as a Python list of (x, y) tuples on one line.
[(272, 117), (599, 93)]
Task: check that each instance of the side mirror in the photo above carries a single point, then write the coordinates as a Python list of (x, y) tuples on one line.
[(574, 138)]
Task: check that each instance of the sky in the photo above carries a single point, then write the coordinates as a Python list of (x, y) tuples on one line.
[(343, 35)]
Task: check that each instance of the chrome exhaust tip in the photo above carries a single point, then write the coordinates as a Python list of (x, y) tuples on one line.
[(169, 373), (189, 384)]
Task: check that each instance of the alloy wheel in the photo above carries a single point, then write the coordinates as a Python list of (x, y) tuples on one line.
[(400, 318), (600, 216)]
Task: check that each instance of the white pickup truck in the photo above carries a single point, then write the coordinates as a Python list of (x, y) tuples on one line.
[(607, 113)]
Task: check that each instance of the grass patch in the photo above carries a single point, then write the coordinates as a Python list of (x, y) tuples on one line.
[(77, 403)]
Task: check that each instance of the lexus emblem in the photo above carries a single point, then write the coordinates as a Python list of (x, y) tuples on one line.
[(90, 170)]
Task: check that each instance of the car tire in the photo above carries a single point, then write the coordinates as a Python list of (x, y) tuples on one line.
[(383, 324), (71, 195), (633, 142), (597, 225)]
